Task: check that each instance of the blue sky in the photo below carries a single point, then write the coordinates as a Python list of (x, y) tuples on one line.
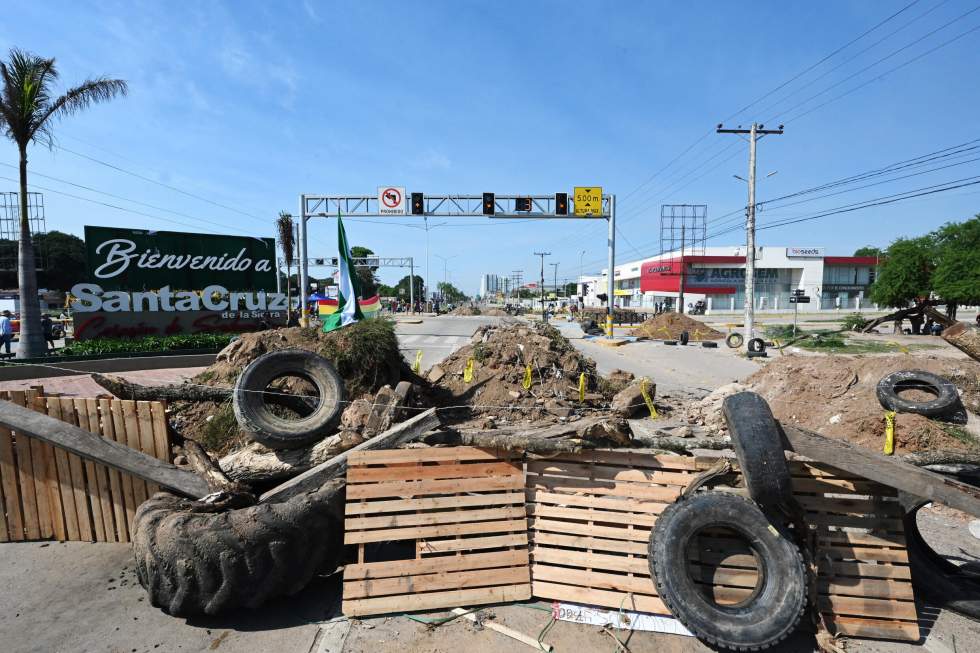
[(249, 104)]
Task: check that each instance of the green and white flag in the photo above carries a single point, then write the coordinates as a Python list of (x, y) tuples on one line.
[(348, 310)]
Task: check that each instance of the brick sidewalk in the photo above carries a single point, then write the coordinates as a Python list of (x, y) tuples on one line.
[(82, 385)]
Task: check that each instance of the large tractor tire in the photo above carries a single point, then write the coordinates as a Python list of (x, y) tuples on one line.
[(759, 448), (192, 560)]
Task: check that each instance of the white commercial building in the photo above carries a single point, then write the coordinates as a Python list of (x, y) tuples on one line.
[(490, 284), (718, 278)]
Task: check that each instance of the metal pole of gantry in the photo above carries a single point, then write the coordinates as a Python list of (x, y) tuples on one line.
[(411, 283), (611, 287), (303, 269)]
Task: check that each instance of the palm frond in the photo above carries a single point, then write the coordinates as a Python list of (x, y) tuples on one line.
[(89, 92), (284, 225)]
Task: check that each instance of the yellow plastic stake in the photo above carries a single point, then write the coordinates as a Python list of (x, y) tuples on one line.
[(889, 447), (417, 365), (647, 399), (581, 387), (526, 384), (697, 334), (468, 371)]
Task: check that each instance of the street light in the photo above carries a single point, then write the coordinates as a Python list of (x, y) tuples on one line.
[(445, 260), (427, 226)]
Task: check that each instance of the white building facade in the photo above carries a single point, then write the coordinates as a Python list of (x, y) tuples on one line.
[(717, 277), (490, 284)]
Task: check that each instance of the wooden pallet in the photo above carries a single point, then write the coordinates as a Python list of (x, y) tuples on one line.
[(591, 515), (48, 493), (453, 517)]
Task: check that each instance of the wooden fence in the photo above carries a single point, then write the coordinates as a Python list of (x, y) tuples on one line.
[(48, 493)]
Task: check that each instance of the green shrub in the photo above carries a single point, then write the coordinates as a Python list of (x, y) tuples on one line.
[(854, 322), (365, 354), (98, 346)]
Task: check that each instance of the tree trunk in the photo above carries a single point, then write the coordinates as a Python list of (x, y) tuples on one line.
[(257, 463), (173, 392), (32, 344), (289, 296), (965, 338)]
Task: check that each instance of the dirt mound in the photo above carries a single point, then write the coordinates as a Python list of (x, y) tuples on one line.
[(668, 326), (500, 356), (835, 396), (465, 310), (496, 312), (365, 354)]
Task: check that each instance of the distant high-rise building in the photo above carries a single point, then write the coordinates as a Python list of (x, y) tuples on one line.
[(490, 284)]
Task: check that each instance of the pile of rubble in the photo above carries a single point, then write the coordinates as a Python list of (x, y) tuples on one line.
[(465, 310), (499, 384), (668, 326), (836, 396)]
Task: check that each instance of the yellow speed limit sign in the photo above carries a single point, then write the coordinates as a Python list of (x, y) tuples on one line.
[(588, 200)]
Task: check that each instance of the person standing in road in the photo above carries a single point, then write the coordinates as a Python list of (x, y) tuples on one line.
[(47, 328), (6, 330)]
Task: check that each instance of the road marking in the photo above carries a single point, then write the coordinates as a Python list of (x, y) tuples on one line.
[(409, 339), (432, 339)]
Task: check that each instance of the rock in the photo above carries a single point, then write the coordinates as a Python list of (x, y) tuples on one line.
[(488, 424), (621, 376), (835, 419), (436, 373), (514, 394), (684, 432), (557, 408), (708, 410), (616, 430), (355, 417), (629, 401)]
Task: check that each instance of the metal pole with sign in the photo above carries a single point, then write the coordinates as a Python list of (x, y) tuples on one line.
[(612, 266)]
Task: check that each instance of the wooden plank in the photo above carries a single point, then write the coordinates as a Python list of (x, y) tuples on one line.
[(825, 485), (575, 528), (472, 543), (866, 539), (417, 488), (52, 485), (63, 469), (433, 518), (422, 472), (667, 494), (11, 491), (602, 503), (588, 543), (337, 466), (470, 561), (101, 474), (45, 521), (592, 516), (435, 454), (92, 446), (851, 506), (147, 442), (594, 579), (25, 472), (855, 521), (586, 596), (887, 470), (865, 554), (422, 532), (875, 588), (606, 473), (875, 628), (117, 480), (161, 433), (93, 506), (631, 458), (131, 420), (78, 484), (865, 607), (864, 570), (433, 503), (433, 600), (589, 560), (432, 582)]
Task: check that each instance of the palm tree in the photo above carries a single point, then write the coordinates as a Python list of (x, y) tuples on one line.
[(284, 226), (28, 110)]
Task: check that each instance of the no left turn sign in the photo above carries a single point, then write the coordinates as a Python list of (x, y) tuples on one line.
[(391, 200)]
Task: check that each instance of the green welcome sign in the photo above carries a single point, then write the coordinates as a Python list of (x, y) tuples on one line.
[(137, 259)]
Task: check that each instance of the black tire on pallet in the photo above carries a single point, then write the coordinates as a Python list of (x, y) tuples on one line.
[(757, 354), (710, 344), (264, 426), (192, 561), (933, 577), (734, 340), (670, 342), (774, 609), (946, 400), (758, 445), (757, 345)]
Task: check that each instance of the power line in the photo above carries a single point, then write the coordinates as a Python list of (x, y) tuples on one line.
[(160, 183)]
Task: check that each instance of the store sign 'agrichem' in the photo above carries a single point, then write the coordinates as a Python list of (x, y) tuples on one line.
[(133, 259)]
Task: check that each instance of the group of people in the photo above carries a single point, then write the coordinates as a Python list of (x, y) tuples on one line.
[(7, 330)]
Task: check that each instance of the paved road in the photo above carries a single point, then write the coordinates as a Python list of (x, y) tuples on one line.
[(437, 337)]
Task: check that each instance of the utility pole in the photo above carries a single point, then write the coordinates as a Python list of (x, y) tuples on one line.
[(544, 314), (680, 298), (755, 133), (555, 265)]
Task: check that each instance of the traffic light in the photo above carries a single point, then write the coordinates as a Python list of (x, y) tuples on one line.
[(418, 206), (488, 204), (522, 204), (561, 203)]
